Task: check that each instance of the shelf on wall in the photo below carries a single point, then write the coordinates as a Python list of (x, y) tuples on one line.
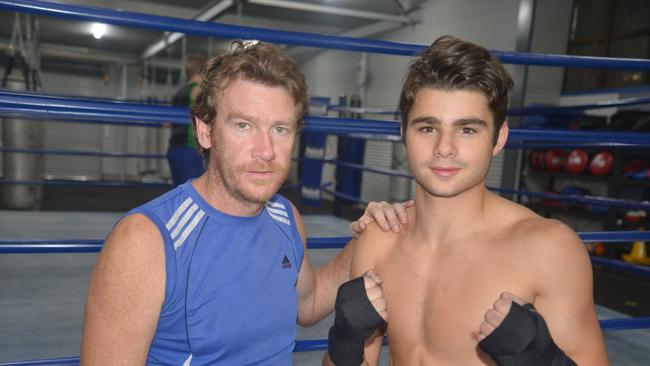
[(635, 183), (582, 214), (564, 175), (569, 211)]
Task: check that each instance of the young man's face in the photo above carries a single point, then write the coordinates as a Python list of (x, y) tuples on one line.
[(449, 140), (252, 139)]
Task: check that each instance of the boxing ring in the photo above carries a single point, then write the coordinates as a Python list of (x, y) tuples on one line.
[(44, 107)]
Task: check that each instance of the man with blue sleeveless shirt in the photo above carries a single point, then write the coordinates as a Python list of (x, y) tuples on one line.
[(216, 270)]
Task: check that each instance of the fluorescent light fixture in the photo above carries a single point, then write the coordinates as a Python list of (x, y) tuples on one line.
[(98, 30)]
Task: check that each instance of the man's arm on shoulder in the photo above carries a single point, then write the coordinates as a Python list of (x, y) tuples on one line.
[(125, 295), (367, 249), (565, 295), (317, 288)]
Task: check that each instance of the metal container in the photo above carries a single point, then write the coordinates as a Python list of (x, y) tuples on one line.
[(20, 166)]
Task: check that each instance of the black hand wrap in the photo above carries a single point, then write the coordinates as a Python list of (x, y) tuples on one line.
[(523, 339), (355, 320)]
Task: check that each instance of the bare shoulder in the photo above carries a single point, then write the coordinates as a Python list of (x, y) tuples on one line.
[(375, 239), (538, 234), (136, 225), (550, 253), (134, 233), (134, 249), (549, 237), (372, 246), (549, 248), (125, 295)]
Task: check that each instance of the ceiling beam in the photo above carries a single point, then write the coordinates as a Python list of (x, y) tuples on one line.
[(86, 55), (405, 5), (316, 8), (148, 7), (79, 53), (366, 31), (207, 14)]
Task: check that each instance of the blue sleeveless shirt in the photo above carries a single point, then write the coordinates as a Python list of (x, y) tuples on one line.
[(230, 291)]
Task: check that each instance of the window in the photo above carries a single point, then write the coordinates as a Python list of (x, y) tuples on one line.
[(608, 28)]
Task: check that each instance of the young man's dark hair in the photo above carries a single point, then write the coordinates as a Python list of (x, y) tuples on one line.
[(454, 64)]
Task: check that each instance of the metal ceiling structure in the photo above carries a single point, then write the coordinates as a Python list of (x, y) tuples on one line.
[(67, 45)]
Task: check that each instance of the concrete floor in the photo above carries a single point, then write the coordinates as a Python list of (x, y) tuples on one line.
[(42, 295)]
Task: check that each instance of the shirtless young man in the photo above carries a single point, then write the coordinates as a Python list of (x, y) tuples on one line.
[(448, 280)]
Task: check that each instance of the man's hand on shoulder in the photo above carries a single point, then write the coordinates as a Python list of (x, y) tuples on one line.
[(387, 216)]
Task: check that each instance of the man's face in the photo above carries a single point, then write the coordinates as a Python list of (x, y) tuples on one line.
[(252, 139), (449, 140)]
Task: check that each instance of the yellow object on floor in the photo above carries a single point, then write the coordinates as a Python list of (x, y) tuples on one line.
[(638, 254)]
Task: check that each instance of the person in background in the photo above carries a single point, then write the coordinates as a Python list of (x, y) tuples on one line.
[(185, 160)]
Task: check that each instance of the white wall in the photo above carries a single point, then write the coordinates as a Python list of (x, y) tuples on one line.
[(489, 23), (550, 36)]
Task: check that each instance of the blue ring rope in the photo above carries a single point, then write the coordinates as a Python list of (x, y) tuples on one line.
[(81, 183), (107, 105), (16, 246), (141, 20), (527, 145), (575, 145), (640, 270), (589, 200), (321, 344), (30, 93), (326, 125), (93, 183), (64, 361), (77, 118), (344, 196), (80, 153), (385, 171), (34, 107), (625, 323), (525, 111), (540, 110), (33, 111)]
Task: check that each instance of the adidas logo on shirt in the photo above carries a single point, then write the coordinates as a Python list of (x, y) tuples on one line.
[(286, 263)]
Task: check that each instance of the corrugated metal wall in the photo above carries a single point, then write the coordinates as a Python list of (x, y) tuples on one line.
[(101, 138)]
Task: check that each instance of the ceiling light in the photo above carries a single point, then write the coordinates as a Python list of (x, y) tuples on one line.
[(98, 30)]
